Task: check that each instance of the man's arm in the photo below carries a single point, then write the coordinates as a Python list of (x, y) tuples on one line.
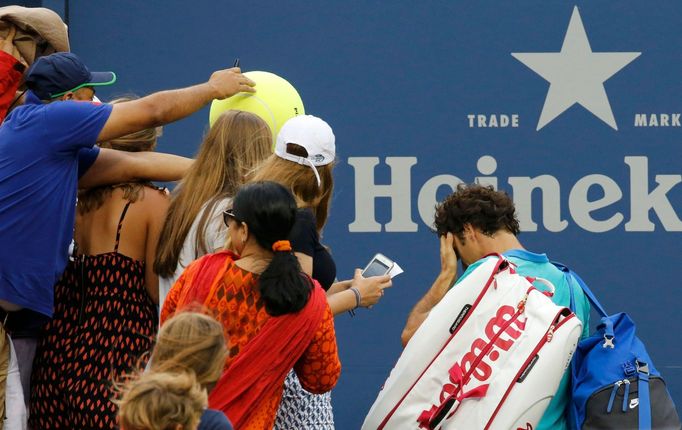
[(442, 284), (114, 167), (168, 106)]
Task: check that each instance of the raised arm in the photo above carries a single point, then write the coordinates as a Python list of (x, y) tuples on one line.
[(114, 167), (168, 106), (445, 280)]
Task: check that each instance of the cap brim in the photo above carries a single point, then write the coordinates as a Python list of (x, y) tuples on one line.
[(97, 79), (101, 78)]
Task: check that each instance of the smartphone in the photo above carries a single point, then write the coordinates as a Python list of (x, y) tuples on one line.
[(379, 265)]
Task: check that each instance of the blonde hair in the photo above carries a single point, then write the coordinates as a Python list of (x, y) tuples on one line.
[(143, 140), (233, 147), (191, 342), (301, 181), (162, 401)]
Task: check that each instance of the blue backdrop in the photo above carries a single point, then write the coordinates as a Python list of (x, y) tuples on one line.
[(407, 87)]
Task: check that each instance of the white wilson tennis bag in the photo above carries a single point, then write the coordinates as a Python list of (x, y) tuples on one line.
[(490, 355)]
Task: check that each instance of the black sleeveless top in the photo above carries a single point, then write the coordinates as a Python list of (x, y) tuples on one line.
[(305, 239)]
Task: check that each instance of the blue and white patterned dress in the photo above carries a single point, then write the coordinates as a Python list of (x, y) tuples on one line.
[(301, 410)]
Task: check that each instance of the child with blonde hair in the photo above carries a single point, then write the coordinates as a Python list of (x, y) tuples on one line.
[(162, 401), (192, 342)]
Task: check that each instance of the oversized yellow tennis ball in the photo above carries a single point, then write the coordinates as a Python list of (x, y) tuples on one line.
[(275, 100)]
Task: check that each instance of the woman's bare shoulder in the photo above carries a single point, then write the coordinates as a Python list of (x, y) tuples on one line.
[(153, 199)]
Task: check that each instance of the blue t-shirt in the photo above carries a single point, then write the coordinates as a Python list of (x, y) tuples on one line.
[(539, 266), (40, 160), (214, 420), (86, 158)]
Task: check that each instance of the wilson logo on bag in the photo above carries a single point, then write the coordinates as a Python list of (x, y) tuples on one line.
[(474, 361), (506, 321), (494, 363)]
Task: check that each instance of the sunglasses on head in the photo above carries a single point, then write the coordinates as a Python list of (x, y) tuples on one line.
[(229, 214)]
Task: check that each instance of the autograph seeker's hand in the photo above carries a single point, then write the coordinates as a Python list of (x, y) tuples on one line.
[(229, 82), (367, 290), (371, 289)]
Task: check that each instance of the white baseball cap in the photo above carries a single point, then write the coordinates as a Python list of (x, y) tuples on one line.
[(311, 133)]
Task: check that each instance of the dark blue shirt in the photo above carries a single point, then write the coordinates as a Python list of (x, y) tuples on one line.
[(214, 420), (40, 158)]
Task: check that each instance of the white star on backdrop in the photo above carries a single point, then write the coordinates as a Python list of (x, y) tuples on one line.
[(576, 74)]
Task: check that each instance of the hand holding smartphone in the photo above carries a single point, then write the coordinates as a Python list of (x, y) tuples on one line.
[(379, 265)]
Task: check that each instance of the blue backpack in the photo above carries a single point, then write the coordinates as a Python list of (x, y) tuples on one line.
[(614, 382)]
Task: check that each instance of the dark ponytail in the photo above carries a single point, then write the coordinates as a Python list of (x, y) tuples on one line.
[(269, 210), (283, 287)]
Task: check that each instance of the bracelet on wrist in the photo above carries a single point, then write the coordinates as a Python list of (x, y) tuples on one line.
[(357, 296)]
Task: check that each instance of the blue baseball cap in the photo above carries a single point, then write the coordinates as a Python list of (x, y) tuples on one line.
[(56, 74)]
